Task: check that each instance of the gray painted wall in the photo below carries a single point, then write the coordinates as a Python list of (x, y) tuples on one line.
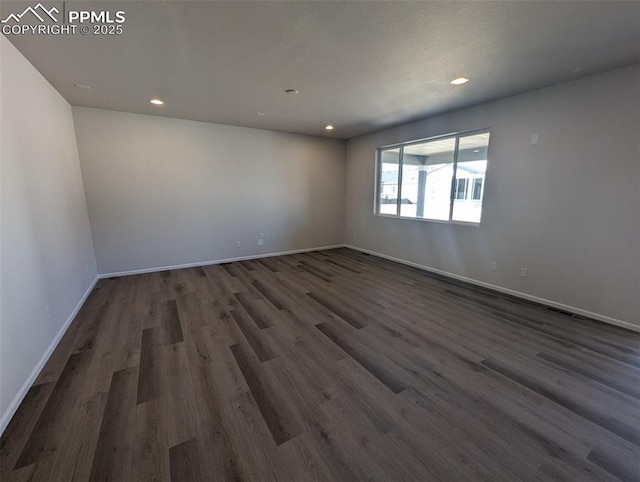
[(45, 236), (164, 192), (567, 208)]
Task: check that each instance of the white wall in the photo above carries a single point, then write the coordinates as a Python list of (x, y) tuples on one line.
[(164, 192), (45, 235), (567, 208)]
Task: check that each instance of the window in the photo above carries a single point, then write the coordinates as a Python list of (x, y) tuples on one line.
[(389, 164), (440, 179), (461, 189), (477, 189)]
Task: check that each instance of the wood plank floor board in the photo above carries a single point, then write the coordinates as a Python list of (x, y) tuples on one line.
[(438, 336), (251, 440), (504, 339), (530, 341), (605, 420), (620, 354), (150, 384), (428, 438), (311, 315), (629, 383), (368, 401), (112, 459), (518, 448), (222, 325), (280, 422), (363, 356), (334, 262), (454, 404), (253, 310), (184, 461), (182, 412), (314, 364), (39, 471), (576, 386), (151, 441), (615, 347), (269, 294), (258, 341), (220, 462), (556, 472), (223, 283), (308, 460), (90, 328), (534, 410), (23, 474), (331, 365), (75, 461), (623, 465), (47, 436), (354, 318), (272, 288), (288, 328), (488, 458), (17, 432), (315, 273), (305, 398), (503, 439), (322, 268), (171, 327)]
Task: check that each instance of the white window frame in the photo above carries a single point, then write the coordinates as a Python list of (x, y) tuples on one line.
[(401, 146)]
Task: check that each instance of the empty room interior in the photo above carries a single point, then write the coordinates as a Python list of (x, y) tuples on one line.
[(320, 241)]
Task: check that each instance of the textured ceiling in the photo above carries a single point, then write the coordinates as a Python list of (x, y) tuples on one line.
[(361, 66)]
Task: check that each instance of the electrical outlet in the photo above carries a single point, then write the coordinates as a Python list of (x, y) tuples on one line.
[(48, 309), (261, 236), (524, 272), (86, 267), (238, 244), (494, 266), (260, 242), (534, 138)]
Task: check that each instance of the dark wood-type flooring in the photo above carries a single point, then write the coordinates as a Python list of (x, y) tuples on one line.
[(330, 365)]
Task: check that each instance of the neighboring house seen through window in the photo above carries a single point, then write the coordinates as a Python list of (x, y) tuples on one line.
[(438, 179)]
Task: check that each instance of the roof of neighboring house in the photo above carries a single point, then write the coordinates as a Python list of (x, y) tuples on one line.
[(391, 177)]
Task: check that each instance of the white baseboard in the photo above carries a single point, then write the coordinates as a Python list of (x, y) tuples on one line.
[(217, 261), (578, 311), (17, 400)]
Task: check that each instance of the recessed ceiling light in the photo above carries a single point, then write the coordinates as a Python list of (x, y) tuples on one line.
[(82, 86), (291, 91), (259, 114), (459, 81), (329, 127), (476, 150), (156, 101)]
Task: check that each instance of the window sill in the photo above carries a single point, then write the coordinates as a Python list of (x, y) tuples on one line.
[(437, 221)]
